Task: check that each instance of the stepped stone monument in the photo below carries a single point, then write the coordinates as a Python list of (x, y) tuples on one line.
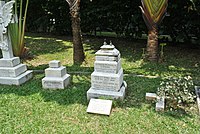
[(107, 78), (12, 72), (56, 76)]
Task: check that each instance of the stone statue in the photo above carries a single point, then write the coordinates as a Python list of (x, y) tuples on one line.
[(12, 71), (5, 18)]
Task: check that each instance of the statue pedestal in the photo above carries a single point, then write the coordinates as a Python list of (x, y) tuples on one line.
[(12, 72)]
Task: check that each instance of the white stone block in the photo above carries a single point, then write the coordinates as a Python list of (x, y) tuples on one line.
[(99, 106), (151, 96), (56, 83), (12, 71), (107, 58), (54, 64), (9, 62), (103, 52), (160, 105), (107, 47), (106, 81), (93, 93), (107, 66), (17, 80), (55, 72)]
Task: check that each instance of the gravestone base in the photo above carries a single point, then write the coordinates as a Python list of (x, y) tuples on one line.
[(93, 93), (12, 72), (56, 83), (16, 80)]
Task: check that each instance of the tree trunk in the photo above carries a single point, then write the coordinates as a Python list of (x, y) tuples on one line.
[(152, 45), (78, 51)]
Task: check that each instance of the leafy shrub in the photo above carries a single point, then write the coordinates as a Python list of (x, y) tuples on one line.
[(177, 90)]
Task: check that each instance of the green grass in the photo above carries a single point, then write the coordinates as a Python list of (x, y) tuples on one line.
[(30, 109)]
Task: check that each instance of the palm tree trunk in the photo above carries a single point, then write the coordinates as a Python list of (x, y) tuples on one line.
[(152, 45), (78, 51)]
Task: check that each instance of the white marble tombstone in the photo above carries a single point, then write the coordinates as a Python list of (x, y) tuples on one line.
[(12, 72), (107, 78), (56, 76)]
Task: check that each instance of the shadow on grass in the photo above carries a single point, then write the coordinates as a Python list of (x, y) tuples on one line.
[(74, 93), (72, 69), (41, 45)]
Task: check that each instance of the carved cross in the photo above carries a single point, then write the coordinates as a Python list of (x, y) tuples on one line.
[(5, 18)]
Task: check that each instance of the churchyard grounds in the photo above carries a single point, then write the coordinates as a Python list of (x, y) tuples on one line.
[(30, 109)]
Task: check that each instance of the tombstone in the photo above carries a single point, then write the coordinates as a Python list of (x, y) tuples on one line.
[(12, 72), (107, 78), (56, 76), (160, 101)]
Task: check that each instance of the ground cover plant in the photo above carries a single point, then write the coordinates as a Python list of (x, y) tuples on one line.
[(30, 109)]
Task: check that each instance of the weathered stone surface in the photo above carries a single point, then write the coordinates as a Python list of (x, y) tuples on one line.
[(93, 93), (56, 83), (106, 81), (55, 72), (9, 62), (160, 105), (151, 96), (12, 71), (16, 80), (107, 66), (54, 64)]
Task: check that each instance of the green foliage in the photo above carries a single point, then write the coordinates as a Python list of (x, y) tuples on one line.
[(179, 90), (17, 28), (181, 22), (153, 12), (119, 16)]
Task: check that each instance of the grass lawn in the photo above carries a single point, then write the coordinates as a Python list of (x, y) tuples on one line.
[(30, 109)]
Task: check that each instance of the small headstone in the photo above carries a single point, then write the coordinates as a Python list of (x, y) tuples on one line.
[(98, 106), (107, 78), (160, 105), (56, 76), (12, 72)]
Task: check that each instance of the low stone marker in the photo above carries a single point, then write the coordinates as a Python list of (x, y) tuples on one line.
[(160, 104), (160, 101), (56, 76), (107, 78), (12, 72), (98, 106)]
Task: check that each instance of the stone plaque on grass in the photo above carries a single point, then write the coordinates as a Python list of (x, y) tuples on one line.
[(98, 106)]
